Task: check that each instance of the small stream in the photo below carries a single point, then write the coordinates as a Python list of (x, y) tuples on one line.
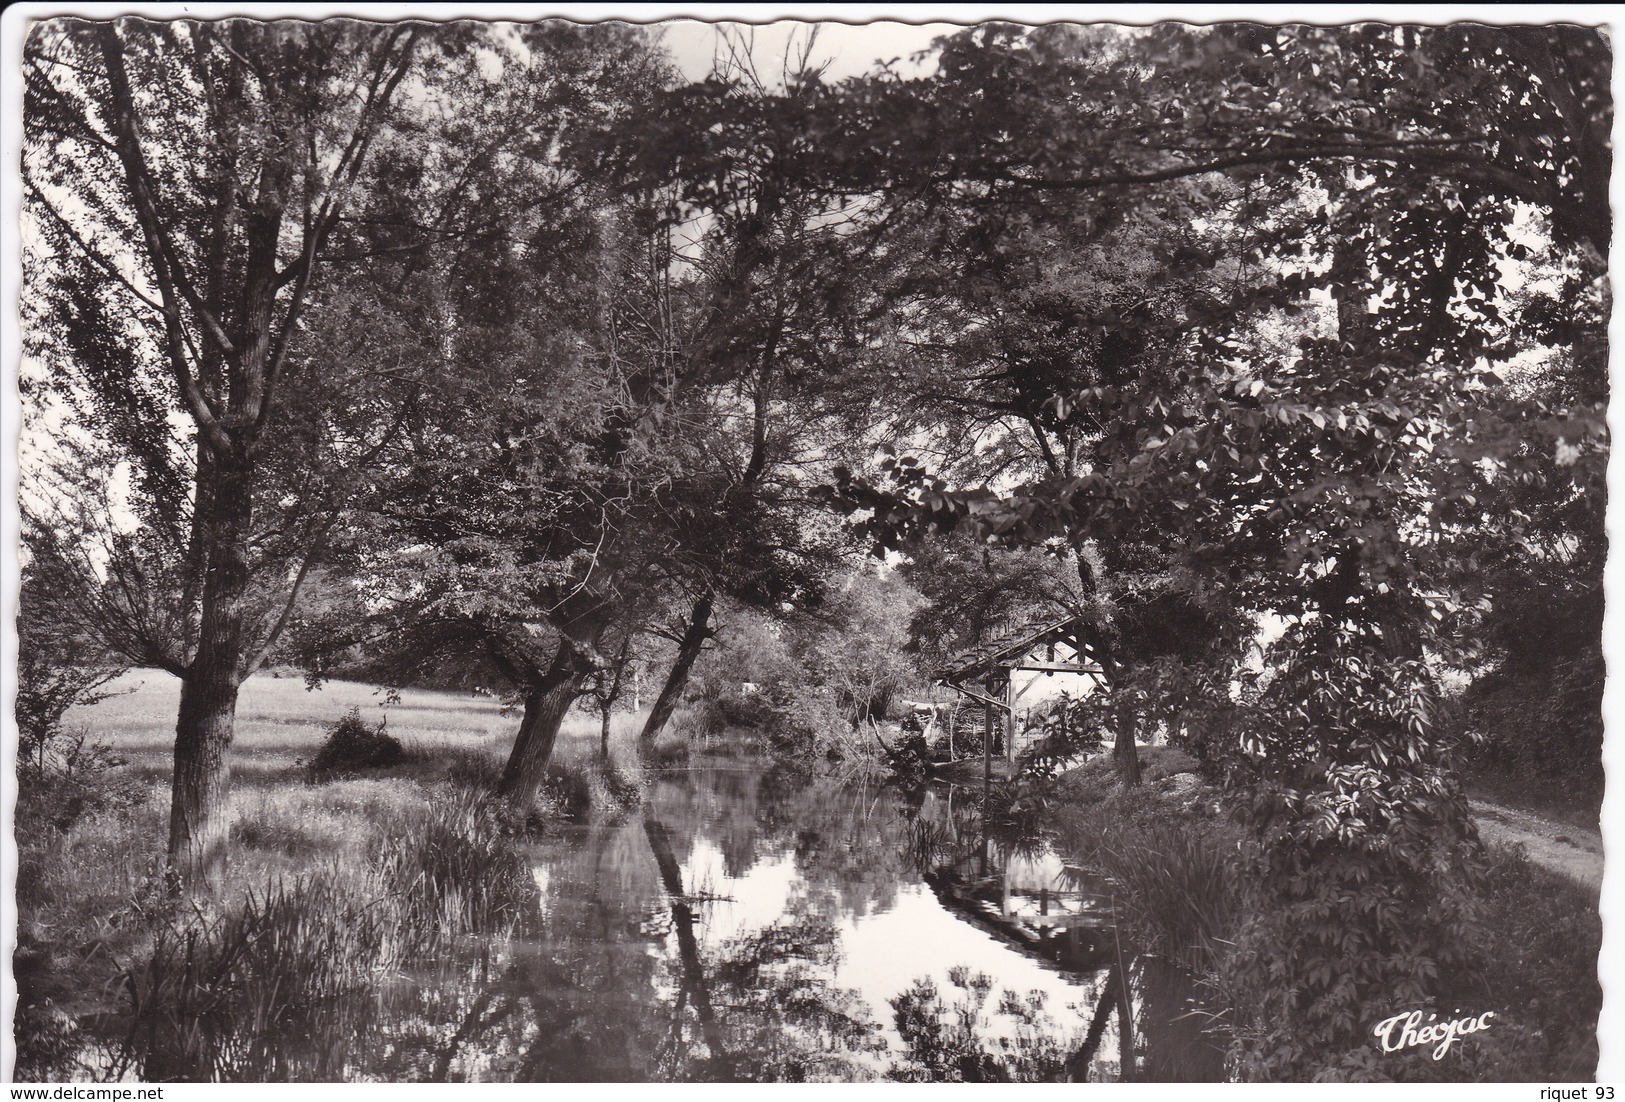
[(753, 923)]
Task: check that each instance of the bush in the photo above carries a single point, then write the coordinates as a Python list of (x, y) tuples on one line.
[(1067, 730), (1534, 961), (61, 775), (352, 747), (78, 779)]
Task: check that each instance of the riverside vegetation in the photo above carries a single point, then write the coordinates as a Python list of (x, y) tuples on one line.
[(350, 878), (1181, 867), (349, 869)]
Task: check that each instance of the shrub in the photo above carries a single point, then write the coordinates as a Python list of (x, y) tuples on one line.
[(352, 747), (61, 775)]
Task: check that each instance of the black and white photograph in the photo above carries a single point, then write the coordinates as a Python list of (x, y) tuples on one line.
[(634, 546)]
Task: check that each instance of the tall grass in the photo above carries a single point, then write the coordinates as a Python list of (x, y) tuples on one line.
[(1176, 890), (271, 990), (1170, 865), (282, 984), (331, 888), (457, 873)]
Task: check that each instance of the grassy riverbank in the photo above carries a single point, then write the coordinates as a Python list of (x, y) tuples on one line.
[(1175, 860), (332, 880)]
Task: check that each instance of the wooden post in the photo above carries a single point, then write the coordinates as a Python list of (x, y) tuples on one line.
[(1125, 1006), (1125, 1024), (987, 780), (1010, 721), (987, 751)]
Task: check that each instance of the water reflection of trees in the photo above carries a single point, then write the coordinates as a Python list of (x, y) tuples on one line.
[(784, 1020), (972, 1037), (629, 981), (624, 986), (989, 872), (781, 1018)]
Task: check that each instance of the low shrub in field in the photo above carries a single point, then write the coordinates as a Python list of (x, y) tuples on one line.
[(62, 776), (352, 747)]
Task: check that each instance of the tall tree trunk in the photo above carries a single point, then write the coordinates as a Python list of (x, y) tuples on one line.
[(688, 649), (198, 826), (546, 702), (1124, 750)]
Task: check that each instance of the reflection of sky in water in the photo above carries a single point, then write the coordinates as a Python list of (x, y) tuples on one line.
[(885, 951), (745, 923)]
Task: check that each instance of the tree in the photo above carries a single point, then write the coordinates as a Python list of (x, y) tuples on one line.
[(1315, 449), (57, 669), (766, 318), (532, 497), (977, 594), (189, 179), (1536, 695), (852, 648)]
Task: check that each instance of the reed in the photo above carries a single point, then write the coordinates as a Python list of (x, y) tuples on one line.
[(456, 872), (1178, 892), (283, 983), (269, 990)]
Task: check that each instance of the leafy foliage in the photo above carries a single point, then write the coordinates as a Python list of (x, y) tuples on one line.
[(1318, 463), (1062, 732)]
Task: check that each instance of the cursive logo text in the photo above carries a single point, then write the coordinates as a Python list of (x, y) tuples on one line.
[(1407, 1031)]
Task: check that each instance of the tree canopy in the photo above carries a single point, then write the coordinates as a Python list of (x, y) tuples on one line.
[(1274, 355)]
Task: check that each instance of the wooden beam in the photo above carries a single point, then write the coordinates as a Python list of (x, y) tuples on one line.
[(974, 695), (1055, 667), (987, 771)]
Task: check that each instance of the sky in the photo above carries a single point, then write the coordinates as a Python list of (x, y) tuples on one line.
[(847, 48)]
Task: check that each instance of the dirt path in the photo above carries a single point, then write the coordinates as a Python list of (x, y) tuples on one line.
[(1573, 851)]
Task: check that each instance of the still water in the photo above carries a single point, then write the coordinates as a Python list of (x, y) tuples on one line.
[(755, 923)]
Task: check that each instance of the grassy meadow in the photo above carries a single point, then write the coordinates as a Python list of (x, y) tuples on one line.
[(99, 924), (280, 722)]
